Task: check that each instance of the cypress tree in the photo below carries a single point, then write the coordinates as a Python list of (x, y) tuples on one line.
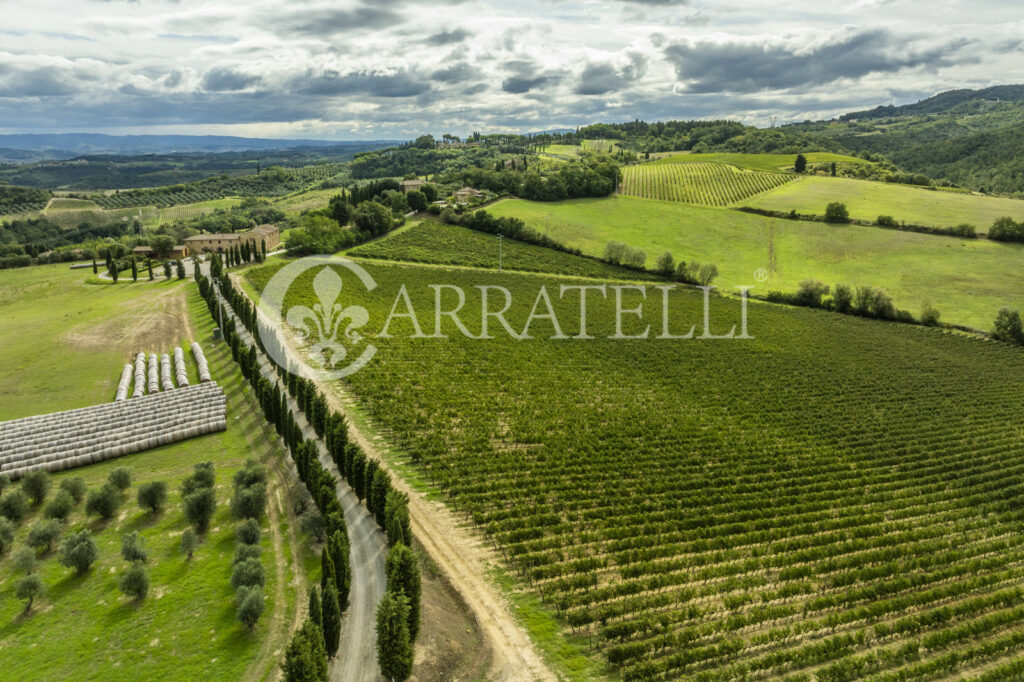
[(403, 576), (167, 269), (149, 266), (394, 648), (95, 270), (332, 619), (327, 574), (338, 544), (135, 270), (315, 614)]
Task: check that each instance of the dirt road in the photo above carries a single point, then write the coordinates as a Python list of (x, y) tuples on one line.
[(356, 660)]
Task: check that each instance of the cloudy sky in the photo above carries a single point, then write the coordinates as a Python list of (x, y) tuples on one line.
[(351, 69)]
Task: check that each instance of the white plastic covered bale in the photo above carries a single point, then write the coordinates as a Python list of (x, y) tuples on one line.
[(204, 368), (140, 376), (153, 385), (180, 371), (72, 438), (165, 372), (125, 383)]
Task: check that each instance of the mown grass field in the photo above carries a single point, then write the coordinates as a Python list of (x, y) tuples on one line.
[(867, 200), (761, 162), (708, 184), (431, 241), (83, 627), (967, 280), (820, 500)]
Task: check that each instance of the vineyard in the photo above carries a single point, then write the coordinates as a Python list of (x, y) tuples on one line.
[(273, 182), (69, 218), (821, 502), (434, 242), (709, 184)]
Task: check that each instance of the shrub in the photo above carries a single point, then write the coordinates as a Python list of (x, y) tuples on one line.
[(199, 508), (103, 502), (152, 496), (811, 292), (248, 572), (666, 264), (886, 221), (121, 478), (60, 506), (14, 505), (75, 487), (842, 298), (29, 588), (25, 561), (36, 485), (43, 534), (243, 552), (929, 315), (248, 532), (135, 581), (1008, 327), (79, 551), (189, 542), (249, 502), (6, 535), (202, 476), (250, 605), (132, 549), (836, 212), (313, 524)]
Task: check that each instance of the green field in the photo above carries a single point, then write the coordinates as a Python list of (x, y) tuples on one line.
[(708, 184), (56, 353), (834, 497), (761, 162), (188, 211), (967, 280), (867, 200), (434, 242)]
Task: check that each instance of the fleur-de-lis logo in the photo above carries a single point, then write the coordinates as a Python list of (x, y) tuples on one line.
[(320, 325)]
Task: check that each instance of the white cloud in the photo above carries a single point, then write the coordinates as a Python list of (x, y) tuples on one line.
[(395, 68)]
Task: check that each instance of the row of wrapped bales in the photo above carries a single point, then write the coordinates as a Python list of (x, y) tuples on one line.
[(165, 372), (126, 381), (181, 374), (72, 438), (140, 376), (98, 413), (204, 368), (153, 385)]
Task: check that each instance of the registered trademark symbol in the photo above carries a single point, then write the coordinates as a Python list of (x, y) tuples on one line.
[(761, 275)]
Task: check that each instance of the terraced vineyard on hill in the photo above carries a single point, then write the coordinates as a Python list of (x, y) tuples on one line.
[(708, 184), (787, 506)]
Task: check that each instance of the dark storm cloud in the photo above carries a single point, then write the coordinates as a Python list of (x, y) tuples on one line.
[(459, 72), (526, 76), (222, 79), (333, 84), (749, 67), (600, 79), (328, 21), (447, 37)]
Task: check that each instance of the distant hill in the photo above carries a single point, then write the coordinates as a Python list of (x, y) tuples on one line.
[(67, 145), (973, 138)]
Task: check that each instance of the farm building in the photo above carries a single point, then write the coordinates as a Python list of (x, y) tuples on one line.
[(221, 242), (466, 193), (179, 251), (409, 185)]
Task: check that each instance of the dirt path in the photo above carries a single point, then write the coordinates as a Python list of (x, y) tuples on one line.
[(277, 630), (463, 560), (461, 555)]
